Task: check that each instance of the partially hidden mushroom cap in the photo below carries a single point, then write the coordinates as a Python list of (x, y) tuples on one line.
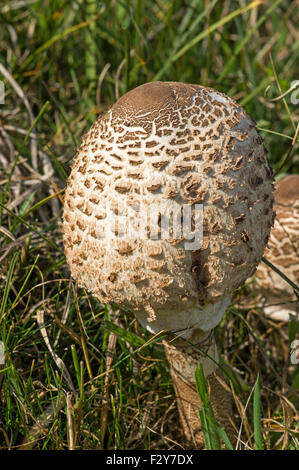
[(168, 148), (282, 252)]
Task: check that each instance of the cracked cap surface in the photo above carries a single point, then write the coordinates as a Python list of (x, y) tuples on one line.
[(170, 144)]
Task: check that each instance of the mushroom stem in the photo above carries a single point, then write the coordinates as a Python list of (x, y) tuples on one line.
[(183, 358)]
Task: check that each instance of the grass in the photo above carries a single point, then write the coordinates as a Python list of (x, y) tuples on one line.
[(77, 374)]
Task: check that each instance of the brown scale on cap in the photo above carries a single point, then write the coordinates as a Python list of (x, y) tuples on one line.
[(184, 127), (283, 252)]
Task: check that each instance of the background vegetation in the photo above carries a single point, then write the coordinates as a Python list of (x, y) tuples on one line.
[(76, 374)]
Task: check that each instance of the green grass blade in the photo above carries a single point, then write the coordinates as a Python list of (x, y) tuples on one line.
[(205, 429), (279, 134), (206, 414), (284, 277), (41, 112), (128, 336), (213, 433), (223, 436), (76, 364), (295, 383), (257, 424), (34, 208), (24, 283), (201, 385), (8, 284)]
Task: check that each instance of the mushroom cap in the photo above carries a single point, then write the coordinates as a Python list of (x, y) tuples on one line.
[(168, 145), (282, 251)]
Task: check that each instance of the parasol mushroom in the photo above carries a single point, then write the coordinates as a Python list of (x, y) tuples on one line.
[(169, 155), (278, 297)]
